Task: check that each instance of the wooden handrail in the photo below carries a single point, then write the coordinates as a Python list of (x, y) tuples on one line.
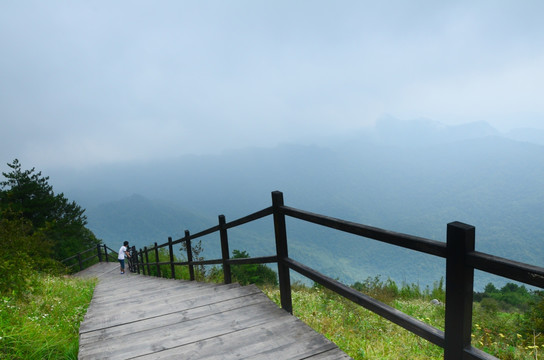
[(458, 250), (81, 262)]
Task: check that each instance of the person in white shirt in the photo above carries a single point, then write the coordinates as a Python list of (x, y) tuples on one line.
[(122, 253)]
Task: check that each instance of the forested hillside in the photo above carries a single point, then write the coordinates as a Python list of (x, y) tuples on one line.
[(38, 228)]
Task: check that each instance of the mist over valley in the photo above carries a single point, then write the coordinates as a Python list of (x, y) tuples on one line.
[(407, 176)]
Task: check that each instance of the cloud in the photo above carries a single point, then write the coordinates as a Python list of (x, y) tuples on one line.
[(108, 81)]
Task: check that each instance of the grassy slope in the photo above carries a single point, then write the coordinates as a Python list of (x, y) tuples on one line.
[(364, 335), (45, 323)]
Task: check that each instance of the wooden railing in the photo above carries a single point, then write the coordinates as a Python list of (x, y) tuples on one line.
[(458, 250), (98, 254)]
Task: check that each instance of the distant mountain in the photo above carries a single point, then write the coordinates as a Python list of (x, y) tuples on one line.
[(141, 221), (535, 136), (418, 132), (412, 177)]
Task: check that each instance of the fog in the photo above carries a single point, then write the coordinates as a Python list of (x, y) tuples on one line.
[(83, 84)]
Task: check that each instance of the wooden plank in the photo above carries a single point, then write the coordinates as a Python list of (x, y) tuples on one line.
[(174, 318), (98, 270), (144, 340), (139, 294), (283, 338), (99, 317), (134, 316), (333, 354)]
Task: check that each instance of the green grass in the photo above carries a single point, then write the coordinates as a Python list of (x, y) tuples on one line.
[(44, 323), (365, 335)]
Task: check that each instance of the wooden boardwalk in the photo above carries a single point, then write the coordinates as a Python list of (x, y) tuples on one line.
[(140, 317)]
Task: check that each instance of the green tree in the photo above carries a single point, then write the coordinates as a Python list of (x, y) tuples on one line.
[(26, 194), (16, 262), (258, 274), (534, 318), (490, 289), (23, 251)]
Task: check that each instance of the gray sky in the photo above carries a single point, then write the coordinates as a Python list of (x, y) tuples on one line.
[(86, 82)]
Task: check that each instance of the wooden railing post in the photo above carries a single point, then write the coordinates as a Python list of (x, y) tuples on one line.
[(157, 260), (132, 260), (141, 253), (225, 254), (106, 252), (147, 261), (128, 260), (99, 251), (189, 255), (459, 290), (281, 250), (171, 253), (135, 255), (79, 261)]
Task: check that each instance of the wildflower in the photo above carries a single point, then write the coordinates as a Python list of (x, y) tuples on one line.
[(519, 336), (501, 335)]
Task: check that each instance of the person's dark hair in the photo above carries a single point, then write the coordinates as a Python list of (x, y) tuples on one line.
[(125, 243)]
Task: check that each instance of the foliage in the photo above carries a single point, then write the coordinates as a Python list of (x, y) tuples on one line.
[(388, 291), (502, 335), (180, 272), (196, 251), (245, 274), (23, 251), (511, 297), (37, 227), (533, 322), (258, 274), (26, 194), (46, 324), (16, 263)]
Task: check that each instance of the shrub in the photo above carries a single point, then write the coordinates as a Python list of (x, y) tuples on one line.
[(258, 274)]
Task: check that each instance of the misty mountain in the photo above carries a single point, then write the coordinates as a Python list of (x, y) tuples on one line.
[(418, 132), (140, 221), (535, 136), (412, 177)]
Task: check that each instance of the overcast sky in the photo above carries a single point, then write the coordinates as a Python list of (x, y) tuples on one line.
[(87, 82)]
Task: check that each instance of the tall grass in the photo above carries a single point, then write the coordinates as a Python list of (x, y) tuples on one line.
[(365, 335), (44, 323)]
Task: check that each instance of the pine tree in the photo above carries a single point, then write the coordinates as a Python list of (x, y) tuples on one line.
[(26, 194)]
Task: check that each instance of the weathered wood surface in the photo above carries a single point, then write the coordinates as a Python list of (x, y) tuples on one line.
[(140, 317)]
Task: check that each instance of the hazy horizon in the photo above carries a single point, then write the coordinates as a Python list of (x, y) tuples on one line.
[(94, 83)]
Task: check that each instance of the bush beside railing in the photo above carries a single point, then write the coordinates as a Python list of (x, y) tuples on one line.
[(458, 250)]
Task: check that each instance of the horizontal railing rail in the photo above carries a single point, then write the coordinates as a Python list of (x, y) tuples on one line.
[(510, 269), (420, 244), (458, 250), (99, 251)]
